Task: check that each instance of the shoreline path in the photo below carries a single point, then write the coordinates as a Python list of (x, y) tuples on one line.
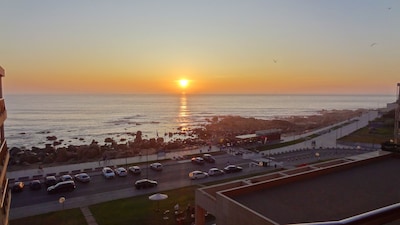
[(326, 139)]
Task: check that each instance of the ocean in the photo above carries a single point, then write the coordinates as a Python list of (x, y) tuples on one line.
[(79, 119)]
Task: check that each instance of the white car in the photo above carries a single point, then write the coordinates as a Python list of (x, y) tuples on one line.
[(135, 169), (121, 172), (108, 172), (82, 177), (215, 172), (197, 174), (156, 166)]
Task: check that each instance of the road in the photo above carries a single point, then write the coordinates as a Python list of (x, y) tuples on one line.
[(174, 175)]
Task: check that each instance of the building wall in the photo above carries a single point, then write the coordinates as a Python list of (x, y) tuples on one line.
[(397, 117), (5, 198)]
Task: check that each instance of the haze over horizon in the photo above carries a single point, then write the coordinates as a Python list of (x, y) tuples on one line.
[(219, 47)]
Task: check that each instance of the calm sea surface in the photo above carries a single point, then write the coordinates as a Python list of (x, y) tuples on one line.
[(94, 117)]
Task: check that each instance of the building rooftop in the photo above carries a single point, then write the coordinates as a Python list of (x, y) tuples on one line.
[(333, 196), (327, 191)]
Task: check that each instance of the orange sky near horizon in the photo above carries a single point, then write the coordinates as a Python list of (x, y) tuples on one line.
[(267, 47)]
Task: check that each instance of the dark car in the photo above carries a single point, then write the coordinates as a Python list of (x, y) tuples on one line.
[(50, 181), (232, 169), (35, 185), (145, 183), (209, 158), (198, 160), (62, 186), (18, 187)]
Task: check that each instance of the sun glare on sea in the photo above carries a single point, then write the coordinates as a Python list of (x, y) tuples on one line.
[(183, 83)]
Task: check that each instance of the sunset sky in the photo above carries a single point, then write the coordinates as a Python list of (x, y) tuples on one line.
[(274, 47)]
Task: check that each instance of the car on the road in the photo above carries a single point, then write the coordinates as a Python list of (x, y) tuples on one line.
[(145, 183), (18, 187), (209, 158), (135, 170), (121, 172), (108, 173), (156, 166), (198, 160), (215, 172), (66, 177), (62, 186), (232, 169), (82, 177), (35, 185), (197, 174), (50, 181)]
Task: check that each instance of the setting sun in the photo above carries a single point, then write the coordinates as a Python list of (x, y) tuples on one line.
[(183, 83)]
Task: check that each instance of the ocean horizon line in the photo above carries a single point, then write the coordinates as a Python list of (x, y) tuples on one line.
[(198, 94)]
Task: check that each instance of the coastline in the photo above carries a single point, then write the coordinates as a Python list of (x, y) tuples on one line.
[(218, 131)]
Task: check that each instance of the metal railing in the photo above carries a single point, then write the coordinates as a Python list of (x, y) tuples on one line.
[(375, 217)]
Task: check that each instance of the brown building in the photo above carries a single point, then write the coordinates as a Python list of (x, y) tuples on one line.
[(356, 190), (4, 158), (263, 136)]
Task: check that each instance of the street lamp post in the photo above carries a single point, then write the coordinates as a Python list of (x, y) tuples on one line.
[(61, 200)]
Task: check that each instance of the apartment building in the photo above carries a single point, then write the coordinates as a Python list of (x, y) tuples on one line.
[(4, 158)]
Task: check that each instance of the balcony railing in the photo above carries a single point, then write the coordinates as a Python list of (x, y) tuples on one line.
[(375, 217)]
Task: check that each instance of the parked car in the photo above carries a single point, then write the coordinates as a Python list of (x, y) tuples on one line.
[(215, 172), (232, 169), (209, 158), (108, 173), (50, 180), (121, 172), (145, 183), (66, 177), (18, 187), (198, 160), (35, 185), (82, 177), (156, 166), (62, 186), (135, 169), (197, 174)]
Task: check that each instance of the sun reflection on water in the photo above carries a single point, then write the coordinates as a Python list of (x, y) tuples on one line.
[(183, 117)]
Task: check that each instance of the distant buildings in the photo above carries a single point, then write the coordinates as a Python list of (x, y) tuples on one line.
[(262, 136), (4, 158)]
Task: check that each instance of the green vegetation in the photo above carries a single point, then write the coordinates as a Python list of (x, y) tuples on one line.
[(283, 144), (377, 132), (141, 210), (64, 217)]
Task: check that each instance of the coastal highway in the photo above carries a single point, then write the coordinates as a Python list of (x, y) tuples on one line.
[(174, 175)]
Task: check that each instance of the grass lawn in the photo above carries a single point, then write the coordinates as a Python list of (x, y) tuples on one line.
[(141, 210), (366, 135), (65, 217)]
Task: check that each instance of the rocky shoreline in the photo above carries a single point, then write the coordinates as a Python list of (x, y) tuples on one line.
[(217, 131)]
